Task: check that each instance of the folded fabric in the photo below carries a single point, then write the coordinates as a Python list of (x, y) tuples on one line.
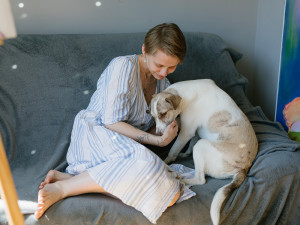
[(183, 172)]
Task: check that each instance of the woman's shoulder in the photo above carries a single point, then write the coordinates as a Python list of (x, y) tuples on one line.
[(121, 68), (125, 67), (124, 60)]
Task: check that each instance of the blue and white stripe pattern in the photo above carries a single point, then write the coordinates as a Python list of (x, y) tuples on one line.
[(120, 165)]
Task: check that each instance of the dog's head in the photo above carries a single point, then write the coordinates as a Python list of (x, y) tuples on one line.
[(164, 109)]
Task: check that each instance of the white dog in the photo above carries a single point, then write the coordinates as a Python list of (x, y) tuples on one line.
[(228, 143)]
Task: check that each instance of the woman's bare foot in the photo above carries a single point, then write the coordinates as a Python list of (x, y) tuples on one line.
[(50, 194), (64, 185), (53, 176)]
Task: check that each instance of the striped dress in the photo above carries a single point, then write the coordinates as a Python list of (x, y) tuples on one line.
[(120, 165)]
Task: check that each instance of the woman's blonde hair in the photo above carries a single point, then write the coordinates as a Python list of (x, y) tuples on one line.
[(168, 38)]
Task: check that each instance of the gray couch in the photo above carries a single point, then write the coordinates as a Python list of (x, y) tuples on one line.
[(46, 79)]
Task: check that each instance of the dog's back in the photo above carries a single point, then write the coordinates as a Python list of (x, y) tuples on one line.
[(216, 110), (225, 132)]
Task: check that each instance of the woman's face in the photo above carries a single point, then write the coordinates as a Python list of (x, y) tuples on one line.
[(161, 64)]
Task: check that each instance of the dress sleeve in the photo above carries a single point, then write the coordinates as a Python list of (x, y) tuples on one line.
[(118, 84)]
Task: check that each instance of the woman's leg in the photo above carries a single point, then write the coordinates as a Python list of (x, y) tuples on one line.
[(75, 185), (82, 183)]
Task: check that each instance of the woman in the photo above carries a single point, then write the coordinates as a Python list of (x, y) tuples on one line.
[(107, 153)]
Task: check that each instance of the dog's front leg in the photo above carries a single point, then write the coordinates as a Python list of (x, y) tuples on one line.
[(189, 151), (180, 142)]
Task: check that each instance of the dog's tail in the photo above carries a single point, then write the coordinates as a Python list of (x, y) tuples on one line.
[(222, 194)]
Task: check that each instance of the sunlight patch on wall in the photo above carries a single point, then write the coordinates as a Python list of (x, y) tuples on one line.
[(21, 5), (23, 16)]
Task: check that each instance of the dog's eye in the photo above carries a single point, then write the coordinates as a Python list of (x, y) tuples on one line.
[(162, 115)]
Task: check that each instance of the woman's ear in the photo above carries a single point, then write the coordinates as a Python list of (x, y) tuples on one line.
[(143, 49)]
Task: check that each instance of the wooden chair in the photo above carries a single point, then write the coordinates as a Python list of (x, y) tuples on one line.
[(8, 191)]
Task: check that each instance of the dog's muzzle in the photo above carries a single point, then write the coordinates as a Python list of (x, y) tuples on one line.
[(160, 127)]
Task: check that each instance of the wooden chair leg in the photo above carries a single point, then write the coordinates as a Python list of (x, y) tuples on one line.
[(8, 191)]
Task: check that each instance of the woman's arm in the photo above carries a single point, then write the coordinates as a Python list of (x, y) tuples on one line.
[(143, 137)]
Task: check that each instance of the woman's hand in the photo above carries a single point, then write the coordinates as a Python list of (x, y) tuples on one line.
[(169, 134)]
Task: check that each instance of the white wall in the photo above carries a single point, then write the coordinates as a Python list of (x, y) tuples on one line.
[(268, 53), (244, 24)]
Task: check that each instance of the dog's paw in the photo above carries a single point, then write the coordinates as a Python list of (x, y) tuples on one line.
[(183, 155), (174, 174), (169, 159), (193, 181)]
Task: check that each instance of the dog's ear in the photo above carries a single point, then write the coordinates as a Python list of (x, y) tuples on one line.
[(174, 100)]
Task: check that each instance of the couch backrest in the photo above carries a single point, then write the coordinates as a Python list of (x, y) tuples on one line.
[(46, 79)]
